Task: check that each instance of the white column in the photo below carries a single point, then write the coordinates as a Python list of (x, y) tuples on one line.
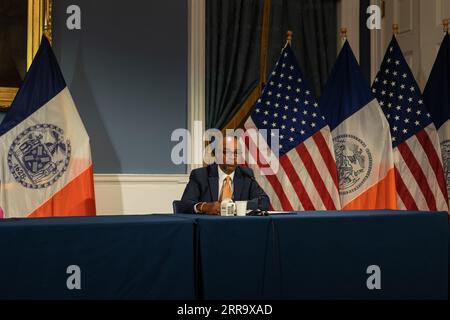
[(196, 78)]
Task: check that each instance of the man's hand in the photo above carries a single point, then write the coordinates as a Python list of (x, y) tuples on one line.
[(211, 208)]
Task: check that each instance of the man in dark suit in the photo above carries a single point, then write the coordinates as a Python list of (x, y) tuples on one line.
[(208, 186)]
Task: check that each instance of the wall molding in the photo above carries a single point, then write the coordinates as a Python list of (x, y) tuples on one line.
[(118, 194), (141, 178)]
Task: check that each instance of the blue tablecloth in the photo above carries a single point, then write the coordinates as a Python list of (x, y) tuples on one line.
[(126, 257), (323, 255), (328, 259), (320, 255), (235, 256)]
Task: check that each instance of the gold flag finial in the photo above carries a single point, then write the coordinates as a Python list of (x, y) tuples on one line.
[(343, 33), (395, 29), (289, 35), (445, 25)]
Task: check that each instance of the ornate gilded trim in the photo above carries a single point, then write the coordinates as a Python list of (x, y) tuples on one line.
[(6, 97), (39, 23)]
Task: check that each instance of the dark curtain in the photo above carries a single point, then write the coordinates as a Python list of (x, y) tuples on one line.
[(314, 23), (233, 39)]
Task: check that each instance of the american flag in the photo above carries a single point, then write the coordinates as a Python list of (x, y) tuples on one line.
[(307, 175), (419, 173)]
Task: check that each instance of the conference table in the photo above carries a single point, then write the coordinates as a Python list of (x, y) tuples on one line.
[(301, 255)]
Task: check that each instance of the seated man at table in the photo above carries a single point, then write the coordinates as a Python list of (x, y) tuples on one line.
[(208, 186)]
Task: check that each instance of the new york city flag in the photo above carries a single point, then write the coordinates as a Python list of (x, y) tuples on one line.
[(437, 99), (45, 158), (362, 141)]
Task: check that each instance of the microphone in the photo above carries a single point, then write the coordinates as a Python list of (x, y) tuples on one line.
[(258, 211)]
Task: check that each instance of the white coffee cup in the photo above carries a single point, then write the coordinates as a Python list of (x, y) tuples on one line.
[(241, 208)]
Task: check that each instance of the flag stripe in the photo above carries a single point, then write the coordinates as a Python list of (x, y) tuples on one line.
[(272, 179), (324, 175), (325, 151), (304, 155), (410, 182), (422, 160), (435, 162), (404, 194), (306, 180), (75, 199), (275, 201), (278, 188), (379, 196), (418, 174), (297, 184)]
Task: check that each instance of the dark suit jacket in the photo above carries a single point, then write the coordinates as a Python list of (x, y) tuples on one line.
[(203, 186)]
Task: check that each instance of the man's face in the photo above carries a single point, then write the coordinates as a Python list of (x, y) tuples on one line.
[(229, 153)]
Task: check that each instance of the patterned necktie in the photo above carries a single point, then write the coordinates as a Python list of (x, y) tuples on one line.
[(226, 189)]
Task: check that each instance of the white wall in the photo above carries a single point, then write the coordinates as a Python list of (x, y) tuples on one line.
[(137, 194)]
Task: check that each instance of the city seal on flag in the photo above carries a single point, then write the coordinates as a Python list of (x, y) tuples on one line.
[(39, 156), (353, 161), (445, 149)]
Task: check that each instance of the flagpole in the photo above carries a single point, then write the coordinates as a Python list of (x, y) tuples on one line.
[(343, 35), (445, 25), (395, 29)]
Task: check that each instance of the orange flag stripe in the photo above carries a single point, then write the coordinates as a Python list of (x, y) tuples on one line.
[(380, 196), (77, 198)]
